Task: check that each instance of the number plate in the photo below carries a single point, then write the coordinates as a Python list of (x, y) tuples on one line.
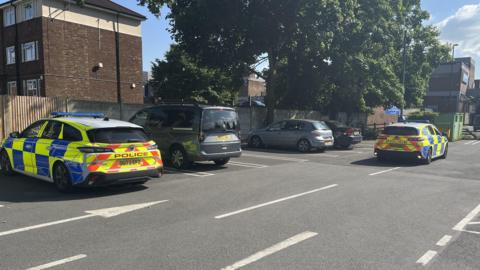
[(131, 162), (329, 143), (223, 138)]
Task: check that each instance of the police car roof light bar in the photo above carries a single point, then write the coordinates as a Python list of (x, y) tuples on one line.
[(78, 114)]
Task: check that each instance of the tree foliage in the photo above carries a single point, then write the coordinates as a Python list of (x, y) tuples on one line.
[(335, 55), (179, 76)]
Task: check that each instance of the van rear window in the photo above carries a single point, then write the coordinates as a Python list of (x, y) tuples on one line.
[(401, 131), (117, 135)]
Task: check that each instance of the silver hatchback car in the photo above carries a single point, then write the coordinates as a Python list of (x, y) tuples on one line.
[(305, 135)]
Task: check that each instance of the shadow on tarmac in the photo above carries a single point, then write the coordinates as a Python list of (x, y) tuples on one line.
[(373, 162), (21, 188)]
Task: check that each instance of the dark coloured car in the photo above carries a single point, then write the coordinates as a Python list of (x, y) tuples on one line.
[(186, 133), (345, 136)]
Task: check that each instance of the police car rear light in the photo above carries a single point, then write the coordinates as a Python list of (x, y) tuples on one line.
[(90, 150)]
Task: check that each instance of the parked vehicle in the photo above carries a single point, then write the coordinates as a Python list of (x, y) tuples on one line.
[(82, 150), (345, 136), (186, 133), (418, 141), (304, 135)]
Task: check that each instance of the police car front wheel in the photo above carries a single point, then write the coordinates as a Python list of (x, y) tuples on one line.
[(61, 178), (5, 164)]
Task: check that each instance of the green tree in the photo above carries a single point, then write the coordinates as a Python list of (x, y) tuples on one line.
[(334, 54), (179, 76)]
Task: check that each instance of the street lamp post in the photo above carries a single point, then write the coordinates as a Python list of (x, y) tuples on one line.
[(452, 80)]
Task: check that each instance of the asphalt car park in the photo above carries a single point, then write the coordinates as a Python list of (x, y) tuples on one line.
[(269, 209)]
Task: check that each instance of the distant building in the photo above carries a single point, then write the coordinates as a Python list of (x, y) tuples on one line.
[(57, 48), (449, 85), (253, 86)]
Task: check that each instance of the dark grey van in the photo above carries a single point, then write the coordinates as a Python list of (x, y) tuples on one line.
[(186, 133)]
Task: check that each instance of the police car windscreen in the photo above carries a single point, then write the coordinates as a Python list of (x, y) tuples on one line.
[(117, 135), (401, 131), (220, 120)]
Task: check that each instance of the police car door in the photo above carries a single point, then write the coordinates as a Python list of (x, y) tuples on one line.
[(45, 148), (434, 142), (23, 148)]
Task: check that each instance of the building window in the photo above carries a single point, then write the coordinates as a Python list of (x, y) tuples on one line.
[(12, 88), (9, 16), (28, 11), (10, 55), (30, 51), (31, 87)]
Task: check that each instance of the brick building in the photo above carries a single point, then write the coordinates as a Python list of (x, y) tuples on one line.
[(449, 84), (57, 48), (253, 86)]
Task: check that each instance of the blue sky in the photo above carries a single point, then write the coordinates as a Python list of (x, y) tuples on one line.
[(458, 20)]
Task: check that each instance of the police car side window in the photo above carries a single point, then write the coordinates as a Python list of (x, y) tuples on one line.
[(71, 134), (52, 130), (33, 130), (426, 132), (431, 130)]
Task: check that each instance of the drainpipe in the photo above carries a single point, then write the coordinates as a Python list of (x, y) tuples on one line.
[(17, 54), (117, 58)]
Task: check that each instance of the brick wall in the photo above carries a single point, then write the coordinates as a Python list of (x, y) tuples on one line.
[(71, 53)]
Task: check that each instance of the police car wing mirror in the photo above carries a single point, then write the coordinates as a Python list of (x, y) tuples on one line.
[(15, 134)]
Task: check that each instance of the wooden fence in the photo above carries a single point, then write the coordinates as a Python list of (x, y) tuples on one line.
[(17, 112)]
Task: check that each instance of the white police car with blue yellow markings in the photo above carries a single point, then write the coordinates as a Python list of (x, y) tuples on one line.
[(81, 149)]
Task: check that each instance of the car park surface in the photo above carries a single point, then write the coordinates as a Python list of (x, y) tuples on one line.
[(269, 209)]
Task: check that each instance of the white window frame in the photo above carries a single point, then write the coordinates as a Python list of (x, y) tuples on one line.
[(9, 16), (10, 86), (32, 53), (10, 55), (28, 10), (31, 87)]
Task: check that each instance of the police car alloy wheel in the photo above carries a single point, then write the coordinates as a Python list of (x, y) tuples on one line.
[(428, 159), (445, 152), (61, 178), (5, 164)]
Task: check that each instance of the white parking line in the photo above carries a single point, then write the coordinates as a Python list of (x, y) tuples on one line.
[(427, 257), (474, 223), (444, 240), (190, 173), (1, 206), (59, 262), (475, 143), (271, 250), (274, 157), (389, 170), (461, 225), (470, 142), (248, 165), (273, 202)]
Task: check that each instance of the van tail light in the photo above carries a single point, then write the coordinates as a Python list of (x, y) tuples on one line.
[(415, 139), (382, 137), (349, 132), (91, 150), (201, 137)]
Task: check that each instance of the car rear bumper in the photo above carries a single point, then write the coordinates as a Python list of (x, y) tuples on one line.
[(108, 179), (214, 151), (398, 154)]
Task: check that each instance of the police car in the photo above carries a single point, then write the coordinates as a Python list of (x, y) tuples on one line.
[(420, 141), (81, 149)]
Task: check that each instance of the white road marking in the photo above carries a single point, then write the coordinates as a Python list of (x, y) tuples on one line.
[(271, 250), (59, 262), (325, 155), (470, 142), (427, 257), (444, 240), (248, 165), (273, 202), (461, 225), (274, 157), (474, 223), (475, 143), (105, 213), (1, 206), (190, 173), (474, 232), (389, 170)]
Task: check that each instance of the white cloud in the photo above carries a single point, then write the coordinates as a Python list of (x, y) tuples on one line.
[(463, 28)]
